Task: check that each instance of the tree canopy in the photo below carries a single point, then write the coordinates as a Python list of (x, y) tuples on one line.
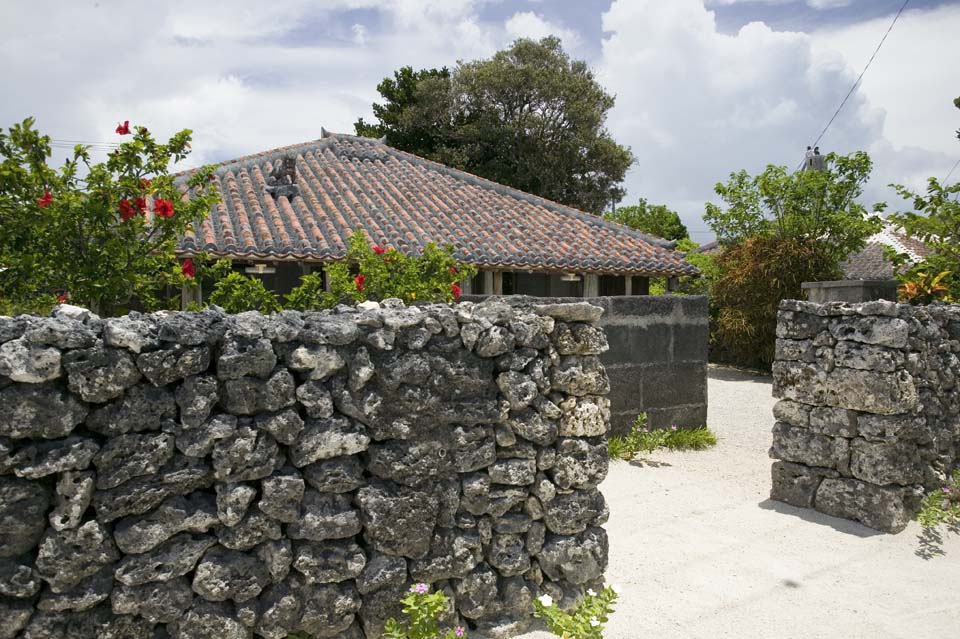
[(655, 219), (528, 117)]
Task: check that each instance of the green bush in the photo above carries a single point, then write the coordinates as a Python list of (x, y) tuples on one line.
[(237, 293), (942, 506), (585, 621), (422, 609), (643, 439)]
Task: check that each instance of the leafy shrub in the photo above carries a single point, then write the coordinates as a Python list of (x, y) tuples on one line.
[(237, 293), (310, 295), (942, 506), (586, 621), (754, 277), (917, 287), (422, 609)]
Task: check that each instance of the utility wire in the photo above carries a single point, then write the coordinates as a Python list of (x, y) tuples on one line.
[(860, 77), (955, 165)]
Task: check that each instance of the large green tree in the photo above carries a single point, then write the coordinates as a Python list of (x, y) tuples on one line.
[(101, 234), (528, 117), (655, 219)]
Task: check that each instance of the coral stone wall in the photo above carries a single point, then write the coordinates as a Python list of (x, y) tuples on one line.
[(870, 415), (200, 475)]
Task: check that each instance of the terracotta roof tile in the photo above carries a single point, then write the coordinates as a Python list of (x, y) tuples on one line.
[(403, 201)]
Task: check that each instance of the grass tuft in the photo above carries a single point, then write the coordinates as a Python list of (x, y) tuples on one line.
[(643, 439)]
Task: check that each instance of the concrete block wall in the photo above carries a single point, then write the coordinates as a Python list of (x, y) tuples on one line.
[(657, 361), (870, 412)]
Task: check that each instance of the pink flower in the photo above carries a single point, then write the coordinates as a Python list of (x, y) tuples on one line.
[(45, 201), (420, 589), (459, 631), (359, 280), (188, 269), (379, 250), (163, 208), (674, 427), (124, 129), (946, 489)]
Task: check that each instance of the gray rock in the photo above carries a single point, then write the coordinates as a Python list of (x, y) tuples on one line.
[(325, 516), (99, 622), (335, 475), (495, 341), (277, 556), (519, 389), (883, 463), (16, 614), (796, 484), (285, 425), (60, 332), (835, 422), (891, 427), (584, 416), (196, 397), (793, 413), (206, 326), (246, 455), (321, 328), (172, 364), (453, 553), (100, 374), (315, 399), (409, 463), (133, 331), (18, 578), (535, 537), (142, 407), (72, 453), (507, 554), (513, 523), (886, 508), (242, 357), (66, 557), (473, 448), (867, 357), (22, 361), (175, 557), (253, 530), (157, 602), (38, 411), (579, 464), (397, 520), (580, 375), (477, 593), (381, 571), (250, 395), (196, 513), (83, 596), (321, 361), (328, 609), (23, 515), (180, 476), (330, 561), (379, 606), (281, 495), (570, 312), (574, 512), (883, 331), (12, 328), (327, 438), (280, 609), (233, 501), (868, 391), (513, 472), (804, 446), (534, 426), (127, 456), (211, 620), (199, 441), (576, 559), (579, 339), (225, 574)]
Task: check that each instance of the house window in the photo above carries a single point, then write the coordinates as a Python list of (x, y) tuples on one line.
[(611, 285)]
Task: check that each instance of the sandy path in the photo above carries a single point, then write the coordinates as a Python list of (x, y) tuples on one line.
[(699, 550)]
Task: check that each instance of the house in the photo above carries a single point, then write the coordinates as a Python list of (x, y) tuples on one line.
[(871, 262), (289, 211)]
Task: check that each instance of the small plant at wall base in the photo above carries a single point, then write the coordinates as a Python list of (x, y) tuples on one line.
[(422, 609), (643, 439), (586, 621), (942, 506)]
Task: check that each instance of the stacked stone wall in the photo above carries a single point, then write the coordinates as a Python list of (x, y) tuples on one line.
[(198, 475), (870, 412)]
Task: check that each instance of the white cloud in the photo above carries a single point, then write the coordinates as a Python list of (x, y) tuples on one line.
[(527, 24), (359, 34), (815, 4), (696, 104)]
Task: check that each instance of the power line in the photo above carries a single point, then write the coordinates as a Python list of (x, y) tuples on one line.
[(955, 165), (860, 77)]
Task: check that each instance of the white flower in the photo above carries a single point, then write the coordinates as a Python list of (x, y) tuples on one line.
[(591, 592), (594, 622), (545, 600)]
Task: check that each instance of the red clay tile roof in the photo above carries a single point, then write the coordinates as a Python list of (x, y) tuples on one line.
[(404, 201)]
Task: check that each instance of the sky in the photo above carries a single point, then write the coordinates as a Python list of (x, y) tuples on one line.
[(703, 87)]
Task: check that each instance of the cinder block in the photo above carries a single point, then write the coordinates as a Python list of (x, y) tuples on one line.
[(669, 385), (692, 416), (690, 342)]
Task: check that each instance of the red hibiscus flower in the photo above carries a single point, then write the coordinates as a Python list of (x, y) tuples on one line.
[(163, 208), (456, 292), (63, 297), (379, 250), (359, 280), (45, 201), (187, 268), (145, 184), (124, 129), (453, 269), (141, 204), (126, 210)]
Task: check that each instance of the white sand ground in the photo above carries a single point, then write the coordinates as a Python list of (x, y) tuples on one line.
[(699, 551)]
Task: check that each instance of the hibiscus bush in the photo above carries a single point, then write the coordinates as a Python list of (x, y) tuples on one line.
[(99, 234), (372, 272)]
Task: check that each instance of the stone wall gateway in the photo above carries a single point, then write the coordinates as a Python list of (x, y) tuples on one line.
[(870, 411), (197, 475)]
